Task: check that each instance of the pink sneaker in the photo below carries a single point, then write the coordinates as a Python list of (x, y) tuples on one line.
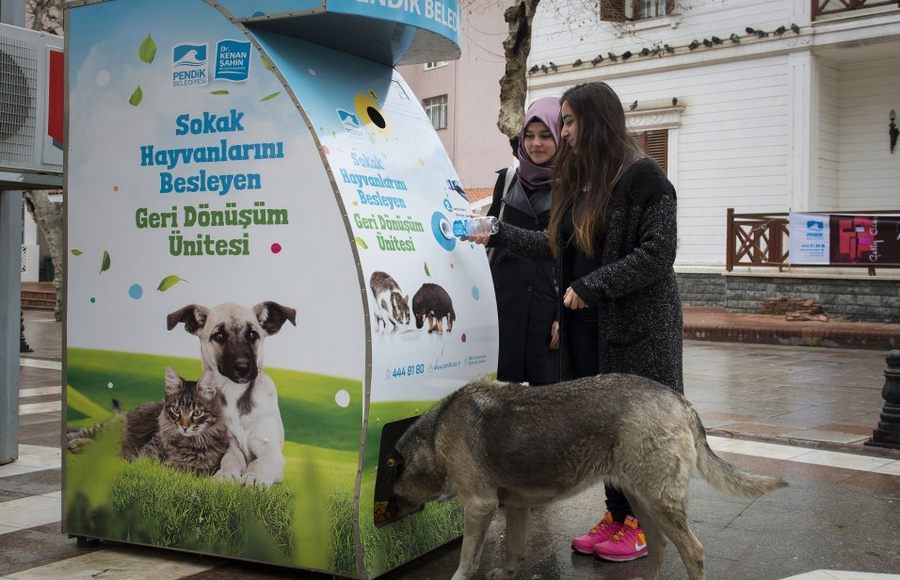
[(627, 544), (600, 533)]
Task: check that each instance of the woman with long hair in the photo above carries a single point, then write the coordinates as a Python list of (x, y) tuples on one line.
[(525, 288), (612, 232)]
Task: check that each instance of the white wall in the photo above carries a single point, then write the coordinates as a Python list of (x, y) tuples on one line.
[(827, 191), (869, 174)]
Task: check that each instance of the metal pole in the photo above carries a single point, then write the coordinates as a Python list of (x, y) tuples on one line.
[(10, 305), (11, 12)]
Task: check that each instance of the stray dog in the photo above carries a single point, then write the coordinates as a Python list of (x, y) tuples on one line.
[(231, 339), (494, 443)]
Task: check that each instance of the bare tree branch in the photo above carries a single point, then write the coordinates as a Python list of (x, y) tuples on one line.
[(49, 218), (45, 15)]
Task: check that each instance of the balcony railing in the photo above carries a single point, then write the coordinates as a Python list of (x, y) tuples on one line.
[(756, 239), (826, 7)]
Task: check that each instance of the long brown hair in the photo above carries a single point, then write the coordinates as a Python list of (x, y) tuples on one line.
[(584, 180)]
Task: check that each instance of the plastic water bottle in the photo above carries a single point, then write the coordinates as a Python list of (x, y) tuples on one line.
[(475, 226)]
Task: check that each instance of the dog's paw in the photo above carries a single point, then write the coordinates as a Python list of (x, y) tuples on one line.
[(252, 480), (500, 574), (227, 476)]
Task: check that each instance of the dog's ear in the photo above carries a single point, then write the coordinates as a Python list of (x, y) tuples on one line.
[(193, 316), (272, 316), (206, 387)]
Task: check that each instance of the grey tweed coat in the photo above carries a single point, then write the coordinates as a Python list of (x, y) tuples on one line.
[(634, 289)]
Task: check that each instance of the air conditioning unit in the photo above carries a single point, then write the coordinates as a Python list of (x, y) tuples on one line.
[(31, 101)]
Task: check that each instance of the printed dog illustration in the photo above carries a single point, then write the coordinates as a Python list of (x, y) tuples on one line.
[(231, 338), (390, 304), (493, 443), (432, 303)]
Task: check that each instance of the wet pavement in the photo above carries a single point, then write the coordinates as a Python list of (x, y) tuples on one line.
[(802, 413)]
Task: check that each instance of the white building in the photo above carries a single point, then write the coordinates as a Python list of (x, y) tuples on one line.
[(792, 118)]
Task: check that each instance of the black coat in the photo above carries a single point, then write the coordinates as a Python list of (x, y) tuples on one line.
[(634, 289), (526, 297)]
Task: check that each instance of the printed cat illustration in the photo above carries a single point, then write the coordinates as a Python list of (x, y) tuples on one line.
[(390, 304), (185, 431)]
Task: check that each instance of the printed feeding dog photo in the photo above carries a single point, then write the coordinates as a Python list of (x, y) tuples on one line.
[(231, 338), (493, 443)]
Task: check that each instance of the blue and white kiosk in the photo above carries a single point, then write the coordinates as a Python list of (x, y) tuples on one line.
[(263, 154)]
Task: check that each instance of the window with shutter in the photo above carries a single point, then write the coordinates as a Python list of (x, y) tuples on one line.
[(612, 10), (630, 10), (655, 145)]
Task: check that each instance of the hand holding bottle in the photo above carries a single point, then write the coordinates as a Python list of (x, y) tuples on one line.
[(478, 229)]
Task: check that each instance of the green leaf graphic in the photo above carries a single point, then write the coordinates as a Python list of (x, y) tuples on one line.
[(136, 97), (270, 97), (147, 50), (168, 282), (104, 265), (219, 92), (427, 272), (267, 64), (76, 252), (361, 243)]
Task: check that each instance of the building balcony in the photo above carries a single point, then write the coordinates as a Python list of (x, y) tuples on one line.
[(833, 7)]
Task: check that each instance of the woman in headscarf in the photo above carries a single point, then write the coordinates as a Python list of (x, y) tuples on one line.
[(526, 288)]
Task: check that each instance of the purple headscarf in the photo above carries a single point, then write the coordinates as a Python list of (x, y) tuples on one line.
[(532, 175)]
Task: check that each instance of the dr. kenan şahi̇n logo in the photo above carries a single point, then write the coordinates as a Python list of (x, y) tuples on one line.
[(189, 65)]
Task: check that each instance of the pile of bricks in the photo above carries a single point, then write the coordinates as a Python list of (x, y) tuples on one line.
[(794, 308)]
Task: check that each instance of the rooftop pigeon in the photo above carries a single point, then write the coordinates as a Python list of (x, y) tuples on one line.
[(735, 38), (694, 44), (633, 105), (795, 28)]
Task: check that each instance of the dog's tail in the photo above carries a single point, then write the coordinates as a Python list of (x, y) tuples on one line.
[(724, 475)]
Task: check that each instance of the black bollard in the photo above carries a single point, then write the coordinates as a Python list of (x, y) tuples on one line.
[(888, 432)]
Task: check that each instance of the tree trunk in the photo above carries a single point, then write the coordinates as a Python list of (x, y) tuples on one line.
[(514, 84), (49, 218)]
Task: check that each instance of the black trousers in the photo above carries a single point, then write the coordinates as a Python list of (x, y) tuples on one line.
[(583, 343)]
